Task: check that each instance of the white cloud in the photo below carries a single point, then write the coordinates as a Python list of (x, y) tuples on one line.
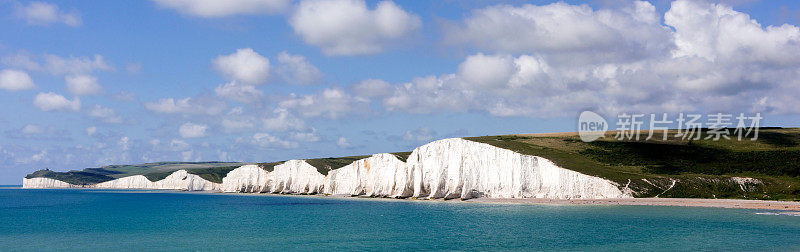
[(125, 96), (282, 120), (331, 103), (236, 121), (41, 13), (266, 140), (105, 114), (239, 92), (419, 135), (343, 143), (372, 88), (719, 33), (31, 129), (716, 59), (90, 131), (429, 94), (56, 102), (202, 106), (215, 8), (38, 157), (295, 69), (83, 85), (348, 27), (58, 65), (191, 130), (306, 136), (576, 33), (14, 80), (232, 125), (244, 65), (124, 143), (169, 105), (487, 72), (178, 145), (133, 68)]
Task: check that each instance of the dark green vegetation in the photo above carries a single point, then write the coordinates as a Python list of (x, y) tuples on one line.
[(269, 166), (72, 177), (403, 156), (698, 168), (324, 165)]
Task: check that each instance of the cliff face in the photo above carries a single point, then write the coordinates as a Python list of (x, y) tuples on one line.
[(131, 182), (291, 177), (44, 183), (458, 168), (449, 168), (246, 179), (381, 175), (178, 180)]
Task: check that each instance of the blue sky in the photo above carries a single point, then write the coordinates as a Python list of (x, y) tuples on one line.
[(92, 83)]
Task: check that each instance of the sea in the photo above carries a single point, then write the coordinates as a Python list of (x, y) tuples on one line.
[(129, 220)]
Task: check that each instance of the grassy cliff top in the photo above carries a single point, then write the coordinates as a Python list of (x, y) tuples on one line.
[(700, 168)]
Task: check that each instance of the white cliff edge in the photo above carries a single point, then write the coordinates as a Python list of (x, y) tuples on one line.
[(449, 169), (178, 180), (291, 177), (43, 183), (459, 168), (381, 175)]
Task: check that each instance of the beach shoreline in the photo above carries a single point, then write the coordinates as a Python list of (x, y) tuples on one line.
[(680, 202)]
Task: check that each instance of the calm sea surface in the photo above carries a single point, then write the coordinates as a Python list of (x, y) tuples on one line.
[(158, 220)]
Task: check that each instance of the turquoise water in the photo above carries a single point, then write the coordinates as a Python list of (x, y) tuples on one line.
[(136, 220)]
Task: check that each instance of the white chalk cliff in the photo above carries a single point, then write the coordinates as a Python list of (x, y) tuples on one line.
[(459, 168), (44, 183), (381, 175), (178, 180), (449, 168), (246, 179), (291, 177)]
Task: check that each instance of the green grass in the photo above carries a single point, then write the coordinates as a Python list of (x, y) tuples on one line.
[(403, 156), (702, 168), (72, 177), (269, 166), (324, 165)]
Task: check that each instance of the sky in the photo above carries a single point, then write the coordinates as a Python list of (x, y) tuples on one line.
[(94, 83)]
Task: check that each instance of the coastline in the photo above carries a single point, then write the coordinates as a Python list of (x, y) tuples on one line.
[(793, 206), (682, 202)]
